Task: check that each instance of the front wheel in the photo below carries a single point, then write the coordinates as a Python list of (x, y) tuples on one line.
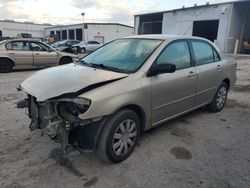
[(119, 136), (220, 98), (65, 60)]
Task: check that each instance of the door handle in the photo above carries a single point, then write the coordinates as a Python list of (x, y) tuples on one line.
[(37, 53), (191, 74), (218, 67), (12, 53)]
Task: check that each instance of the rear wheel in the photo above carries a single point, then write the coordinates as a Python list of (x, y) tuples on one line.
[(220, 98), (6, 66), (119, 136), (65, 60)]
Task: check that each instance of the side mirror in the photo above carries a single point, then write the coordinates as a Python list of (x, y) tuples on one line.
[(161, 68)]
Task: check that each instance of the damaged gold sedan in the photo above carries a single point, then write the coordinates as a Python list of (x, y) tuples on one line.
[(104, 101)]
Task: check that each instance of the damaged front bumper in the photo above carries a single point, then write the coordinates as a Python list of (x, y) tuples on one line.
[(59, 118)]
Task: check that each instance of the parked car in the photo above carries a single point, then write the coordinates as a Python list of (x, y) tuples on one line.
[(30, 53), (51, 43), (89, 46), (65, 45), (105, 101)]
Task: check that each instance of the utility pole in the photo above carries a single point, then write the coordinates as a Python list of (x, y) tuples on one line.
[(83, 37)]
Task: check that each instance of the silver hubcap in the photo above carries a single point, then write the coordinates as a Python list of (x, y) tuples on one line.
[(221, 97), (124, 137)]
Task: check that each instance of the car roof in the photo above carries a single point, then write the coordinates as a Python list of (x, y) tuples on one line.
[(164, 37), (173, 37), (26, 39)]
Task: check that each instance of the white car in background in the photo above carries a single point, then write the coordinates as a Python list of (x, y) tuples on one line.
[(88, 46)]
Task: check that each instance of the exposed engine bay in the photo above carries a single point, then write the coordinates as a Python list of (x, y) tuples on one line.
[(59, 118)]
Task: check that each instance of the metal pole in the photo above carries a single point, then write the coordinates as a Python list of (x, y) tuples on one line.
[(83, 37)]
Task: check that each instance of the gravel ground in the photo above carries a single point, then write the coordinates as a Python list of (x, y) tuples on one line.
[(200, 149)]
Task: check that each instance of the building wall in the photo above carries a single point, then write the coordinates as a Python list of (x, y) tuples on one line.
[(93, 31), (12, 29), (239, 26), (181, 21), (109, 32)]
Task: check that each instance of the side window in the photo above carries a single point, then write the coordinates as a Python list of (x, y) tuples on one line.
[(20, 46), (216, 55), (93, 42), (69, 43), (39, 47), (203, 53), (177, 54), (75, 42)]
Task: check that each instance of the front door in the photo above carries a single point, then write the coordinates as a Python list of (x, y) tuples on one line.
[(173, 93), (20, 52), (43, 55)]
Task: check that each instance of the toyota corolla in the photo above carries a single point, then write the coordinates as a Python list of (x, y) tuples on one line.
[(107, 99)]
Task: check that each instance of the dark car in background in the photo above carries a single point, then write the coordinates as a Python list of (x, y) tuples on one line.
[(65, 45)]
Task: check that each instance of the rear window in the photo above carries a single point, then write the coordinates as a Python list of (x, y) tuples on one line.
[(216, 55), (18, 46), (8, 46), (203, 53), (3, 41)]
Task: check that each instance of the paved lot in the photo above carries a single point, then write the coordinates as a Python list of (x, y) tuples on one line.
[(200, 149)]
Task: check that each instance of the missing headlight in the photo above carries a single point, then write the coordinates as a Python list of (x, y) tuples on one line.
[(72, 108), (81, 108)]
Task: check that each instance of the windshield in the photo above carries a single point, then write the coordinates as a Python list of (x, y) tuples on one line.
[(82, 43), (126, 55)]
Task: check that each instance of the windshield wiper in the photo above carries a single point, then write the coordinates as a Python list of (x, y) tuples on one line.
[(102, 66), (85, 63)]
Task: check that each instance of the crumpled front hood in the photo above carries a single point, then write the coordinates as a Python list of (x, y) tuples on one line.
[(56, 81)]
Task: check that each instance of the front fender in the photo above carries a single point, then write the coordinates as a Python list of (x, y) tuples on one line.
[(109, 98)]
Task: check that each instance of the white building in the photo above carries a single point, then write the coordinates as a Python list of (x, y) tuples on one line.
[(227, 23), (11, 28), (102, 32)]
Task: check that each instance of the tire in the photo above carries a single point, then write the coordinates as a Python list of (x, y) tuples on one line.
[(83, 50), (65, 60), (219, 99), (119, 136), (6, 66)]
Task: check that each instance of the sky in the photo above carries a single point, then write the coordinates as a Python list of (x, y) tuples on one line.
[(69, 11)]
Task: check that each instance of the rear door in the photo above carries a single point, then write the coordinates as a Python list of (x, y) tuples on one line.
[(43, 55), (20, 52), (208, 67), (173, 93)]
